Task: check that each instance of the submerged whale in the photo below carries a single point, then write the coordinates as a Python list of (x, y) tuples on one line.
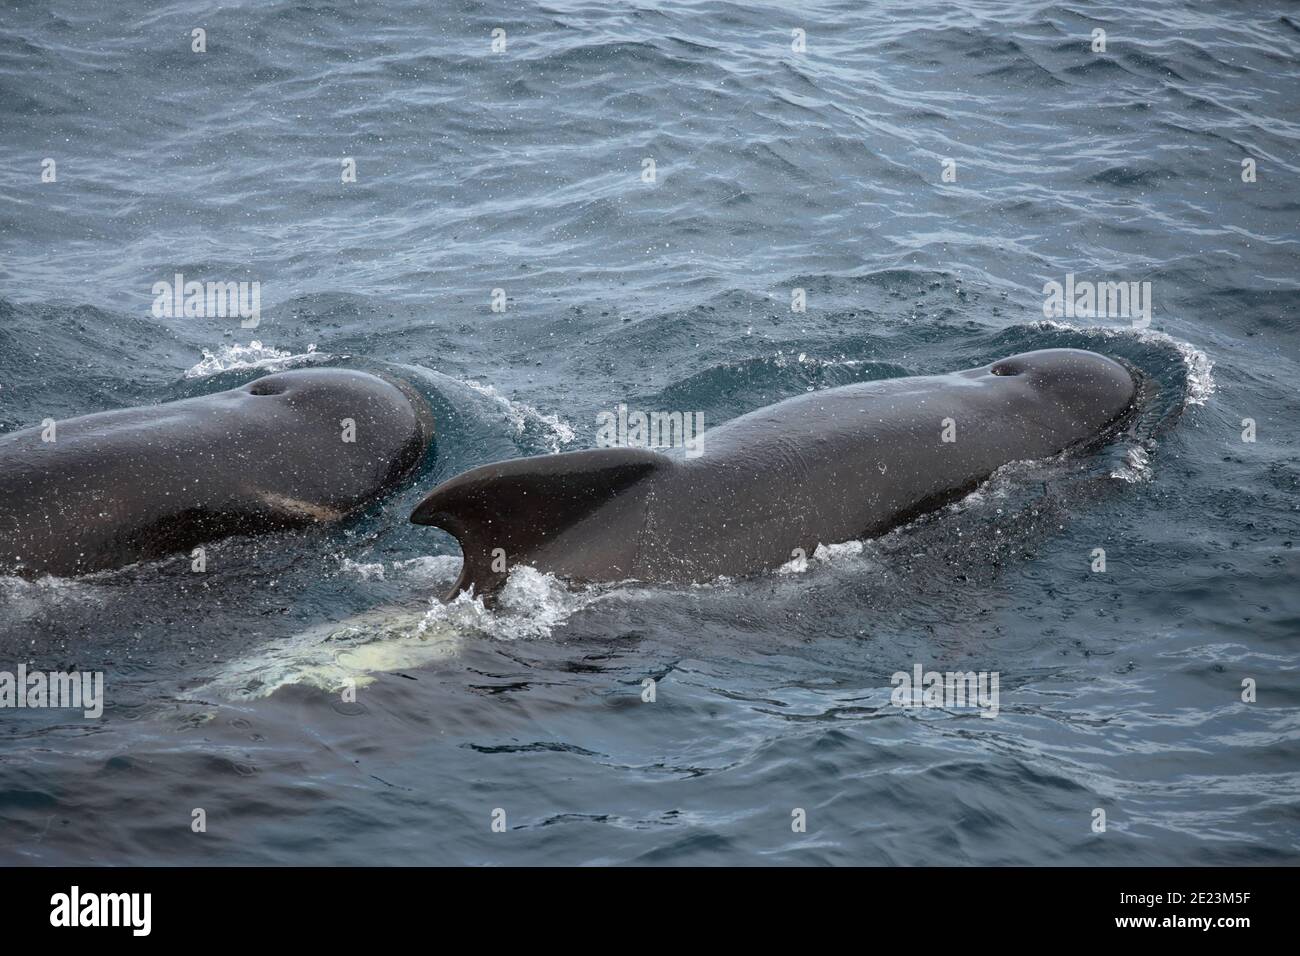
[(287, 450), (821, 468)]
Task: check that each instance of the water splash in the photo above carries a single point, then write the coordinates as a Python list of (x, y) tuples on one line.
[(22, 599), (253, 355), (523, 418), (826, 554), (364, 571), (1136, 466), (530, 605)]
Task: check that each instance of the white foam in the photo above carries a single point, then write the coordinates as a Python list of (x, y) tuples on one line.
[(827, 554), (1136, 466), (1200, 378), (833, 553), (364, 571), (439, 569), (531, 604), (797, 565), (21, 599), (253, 355), (556, 434), (429, 568), (783, 360)]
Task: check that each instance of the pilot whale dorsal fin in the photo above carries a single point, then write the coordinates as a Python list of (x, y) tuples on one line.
[(520, 504)]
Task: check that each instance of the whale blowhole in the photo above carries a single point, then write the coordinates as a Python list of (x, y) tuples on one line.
[(267, 387)]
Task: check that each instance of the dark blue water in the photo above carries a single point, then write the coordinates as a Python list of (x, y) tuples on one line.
[(775, 170)]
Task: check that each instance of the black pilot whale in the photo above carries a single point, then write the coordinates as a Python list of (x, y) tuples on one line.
[(123, 486), (821, 468)]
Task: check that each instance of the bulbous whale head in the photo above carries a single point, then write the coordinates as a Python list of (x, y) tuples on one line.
[(1082, 391), (292, 449), (293, 423)]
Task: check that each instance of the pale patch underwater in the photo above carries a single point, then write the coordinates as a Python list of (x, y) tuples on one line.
[(329, 656)]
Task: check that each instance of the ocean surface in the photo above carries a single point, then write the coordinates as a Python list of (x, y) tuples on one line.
[(668, 285)]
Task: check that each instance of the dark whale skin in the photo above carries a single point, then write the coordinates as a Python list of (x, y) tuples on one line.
[(820, 468), (134, 484)]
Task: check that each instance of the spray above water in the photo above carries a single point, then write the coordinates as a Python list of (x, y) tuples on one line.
[(254, 355), (526, 420), (530, 605)]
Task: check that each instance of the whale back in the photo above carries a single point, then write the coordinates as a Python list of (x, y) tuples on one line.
[(819, 468)]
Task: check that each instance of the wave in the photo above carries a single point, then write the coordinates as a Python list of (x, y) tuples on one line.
[(527, 421)]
